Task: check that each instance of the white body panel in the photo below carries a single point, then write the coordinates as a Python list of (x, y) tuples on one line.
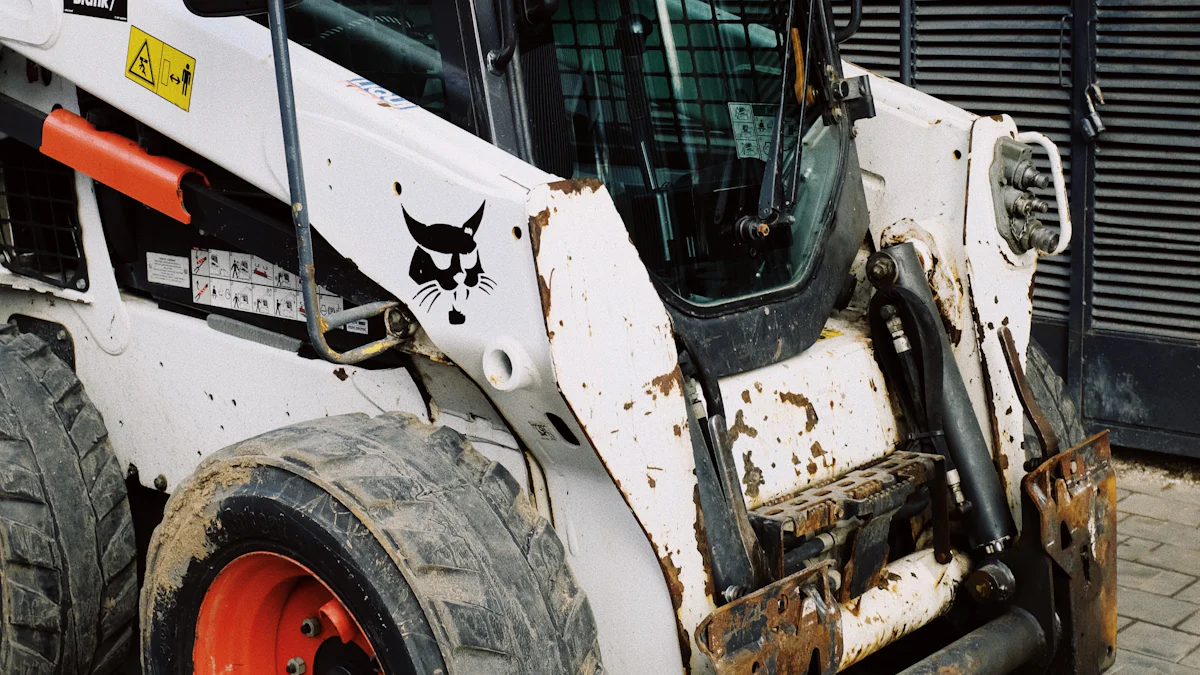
[(624, 501), (808, 420)]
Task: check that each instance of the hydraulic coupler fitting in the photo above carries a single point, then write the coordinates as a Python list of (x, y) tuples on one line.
[(913, 319)]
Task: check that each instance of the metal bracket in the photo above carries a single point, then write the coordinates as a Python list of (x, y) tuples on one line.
[(1072, 499), (872, 495), (791, 626), (1041, 425)]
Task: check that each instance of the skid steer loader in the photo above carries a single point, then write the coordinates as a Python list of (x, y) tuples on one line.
[(530, 336)]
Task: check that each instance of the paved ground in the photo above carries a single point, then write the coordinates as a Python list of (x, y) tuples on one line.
[(1158, 570)]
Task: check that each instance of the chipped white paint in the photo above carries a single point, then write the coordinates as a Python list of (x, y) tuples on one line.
[(916, 150), (916, 590), (1001, 283), (811, 418), (615, 363)]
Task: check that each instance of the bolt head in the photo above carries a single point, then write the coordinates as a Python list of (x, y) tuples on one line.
[(311, 627), (80, 284), (881, 268), (160, 483), (296, 666)]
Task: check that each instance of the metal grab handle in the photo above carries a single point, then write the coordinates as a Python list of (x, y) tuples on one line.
[(317, 325), (1060, 186)]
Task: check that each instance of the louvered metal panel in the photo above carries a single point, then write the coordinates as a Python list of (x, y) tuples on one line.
[(1010, 58), (1147, 230), (876, 45)]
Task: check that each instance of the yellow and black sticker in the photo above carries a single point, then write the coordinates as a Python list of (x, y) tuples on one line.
[(160, 68)]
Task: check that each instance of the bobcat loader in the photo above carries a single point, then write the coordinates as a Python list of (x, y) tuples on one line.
[(531, 337)]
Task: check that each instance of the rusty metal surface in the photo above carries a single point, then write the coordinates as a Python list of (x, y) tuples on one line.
[(872, 495), (998, 647), (1075, 495), (786, 628), (819, 508), (1041, 425)]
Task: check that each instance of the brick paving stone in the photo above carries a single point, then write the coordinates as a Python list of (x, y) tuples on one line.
[(1171, 557), (1192, 660), (1191, 594), (1151, 579), (1133, 547), (1157, 641), (1123, 621), (1132, 663), (1162, 509), (1122, 494), (1161, 531), (1152, 608), (1192, 625)]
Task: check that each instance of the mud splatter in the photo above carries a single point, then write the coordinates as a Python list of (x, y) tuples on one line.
[(753, 477), (740, 427)]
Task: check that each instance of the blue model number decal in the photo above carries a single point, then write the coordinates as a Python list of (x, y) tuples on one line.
[(381, 94)]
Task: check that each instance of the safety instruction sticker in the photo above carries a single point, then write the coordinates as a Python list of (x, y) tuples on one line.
[(168, 270), (753, 127), (241, 282), (159, 67)]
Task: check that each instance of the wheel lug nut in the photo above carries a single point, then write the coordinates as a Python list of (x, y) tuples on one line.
[(296, 666), (311, 627)]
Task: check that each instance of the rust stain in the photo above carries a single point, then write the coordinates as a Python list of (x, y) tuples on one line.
[(667, 382), (702, 543), (628, 405), (537, 223), (753, 477), (675, 588), (758, 386), (873, 386), (812, 468), (678, 430), (544, 291), (795, 459), (816, 450), (746, 396), (801, 401), (340, 373), (575, 186), (740, 427), (650, 480)]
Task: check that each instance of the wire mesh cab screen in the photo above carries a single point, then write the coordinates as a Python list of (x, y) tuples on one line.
[(674, 106), (39, 218)]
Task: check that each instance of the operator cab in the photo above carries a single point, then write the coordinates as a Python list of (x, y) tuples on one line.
[(721, 129)]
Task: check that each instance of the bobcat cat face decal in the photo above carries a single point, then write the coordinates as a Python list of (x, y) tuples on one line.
[(446, 263)]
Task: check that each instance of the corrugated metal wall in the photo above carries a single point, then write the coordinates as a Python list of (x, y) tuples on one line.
[(1127, 336), (1147, 219)]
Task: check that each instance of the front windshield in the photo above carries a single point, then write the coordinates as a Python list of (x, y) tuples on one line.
[(674, 106)]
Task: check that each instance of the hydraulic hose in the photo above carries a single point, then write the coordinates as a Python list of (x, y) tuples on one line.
[(900, 279)]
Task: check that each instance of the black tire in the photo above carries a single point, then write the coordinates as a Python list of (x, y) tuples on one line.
[(431, 546), (68, 579), (1051, 396)]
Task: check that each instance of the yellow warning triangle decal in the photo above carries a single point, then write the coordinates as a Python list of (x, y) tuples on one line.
[(140, 67)]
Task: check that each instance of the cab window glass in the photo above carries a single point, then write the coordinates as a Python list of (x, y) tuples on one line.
[(410, 47)]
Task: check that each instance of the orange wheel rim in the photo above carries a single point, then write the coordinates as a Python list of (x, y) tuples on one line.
[(265, 614)]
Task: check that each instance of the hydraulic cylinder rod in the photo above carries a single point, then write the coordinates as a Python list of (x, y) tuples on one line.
[(998, 647)]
